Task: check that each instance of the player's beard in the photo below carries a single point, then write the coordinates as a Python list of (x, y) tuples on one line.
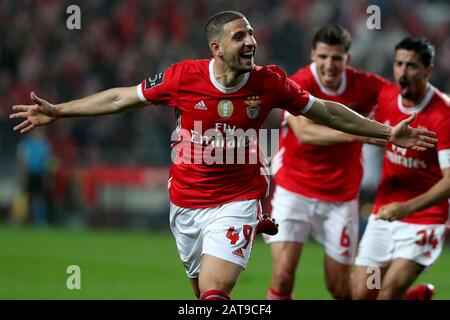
[(412, 89), (246, 63), (239, 64), (409, 90)]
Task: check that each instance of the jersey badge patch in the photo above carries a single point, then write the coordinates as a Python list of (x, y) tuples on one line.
[(253, 108), (225, 108), (154, 81)]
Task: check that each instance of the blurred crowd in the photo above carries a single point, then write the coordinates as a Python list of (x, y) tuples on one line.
[(122, 42)]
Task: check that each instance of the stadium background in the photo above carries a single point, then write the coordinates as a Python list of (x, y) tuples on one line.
[(107, 204)]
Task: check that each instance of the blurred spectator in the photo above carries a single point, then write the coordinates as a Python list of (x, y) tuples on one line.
[(34, 158), (121, 42), (64, 150)]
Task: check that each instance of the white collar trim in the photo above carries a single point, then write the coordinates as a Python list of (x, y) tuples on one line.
[(338, 92), (419, 107), (220, 87)]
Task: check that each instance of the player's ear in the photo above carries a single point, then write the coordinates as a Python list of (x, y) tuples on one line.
[(349, 57), (429, 70), (215, 48), (312, 55)]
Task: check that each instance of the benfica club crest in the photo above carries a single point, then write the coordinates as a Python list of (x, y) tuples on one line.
[(253, 108)]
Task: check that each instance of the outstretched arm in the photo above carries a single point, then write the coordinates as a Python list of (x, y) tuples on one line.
[(309, 132), (339, 117), (106, 102)]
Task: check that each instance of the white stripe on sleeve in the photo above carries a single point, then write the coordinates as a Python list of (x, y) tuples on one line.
[(309, 105), (444, 158), (140, 93)]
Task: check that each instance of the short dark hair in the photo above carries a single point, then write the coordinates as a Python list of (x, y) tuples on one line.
[(214, 25), (333, 35), (421, 46)]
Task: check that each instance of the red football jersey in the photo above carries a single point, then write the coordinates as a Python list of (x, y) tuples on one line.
[(210, 116), (328, 173), (408, 173)]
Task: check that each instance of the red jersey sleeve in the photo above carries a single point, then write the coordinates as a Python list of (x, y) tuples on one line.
[(294, 99), (161, 88)]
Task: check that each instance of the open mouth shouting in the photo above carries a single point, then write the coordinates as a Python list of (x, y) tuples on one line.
[(404, 85), (247, 56)]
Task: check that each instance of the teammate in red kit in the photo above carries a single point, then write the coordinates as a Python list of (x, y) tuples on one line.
[(214, 202), (318, 170), (405, 233)]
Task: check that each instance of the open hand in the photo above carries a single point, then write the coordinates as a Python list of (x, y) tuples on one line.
[(405, 136), (38, 114)]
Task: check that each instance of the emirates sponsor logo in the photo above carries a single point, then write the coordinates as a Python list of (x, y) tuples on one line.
[(219, 141), (223, 144), (225, 136), (398, 155), (407, 162)]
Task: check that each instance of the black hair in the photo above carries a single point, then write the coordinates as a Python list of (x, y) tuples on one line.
[(421, 46), (333, 35), (214, 25)]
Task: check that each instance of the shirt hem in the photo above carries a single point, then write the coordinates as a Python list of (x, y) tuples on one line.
[(189, 205)]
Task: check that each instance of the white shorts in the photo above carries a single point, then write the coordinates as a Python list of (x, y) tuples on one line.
[(333, 224), (225, 232), (384, 241)]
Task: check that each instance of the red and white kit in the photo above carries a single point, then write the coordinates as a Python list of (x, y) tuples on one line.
[(406, 174), (330, 173), (323, 180), (208, 111)]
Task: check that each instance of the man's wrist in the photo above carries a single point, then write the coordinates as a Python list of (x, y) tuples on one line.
[(388, 133), (57, 111), (409, 207)]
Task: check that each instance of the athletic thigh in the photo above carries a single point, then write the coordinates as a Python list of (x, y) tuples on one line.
[(335, 225)]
